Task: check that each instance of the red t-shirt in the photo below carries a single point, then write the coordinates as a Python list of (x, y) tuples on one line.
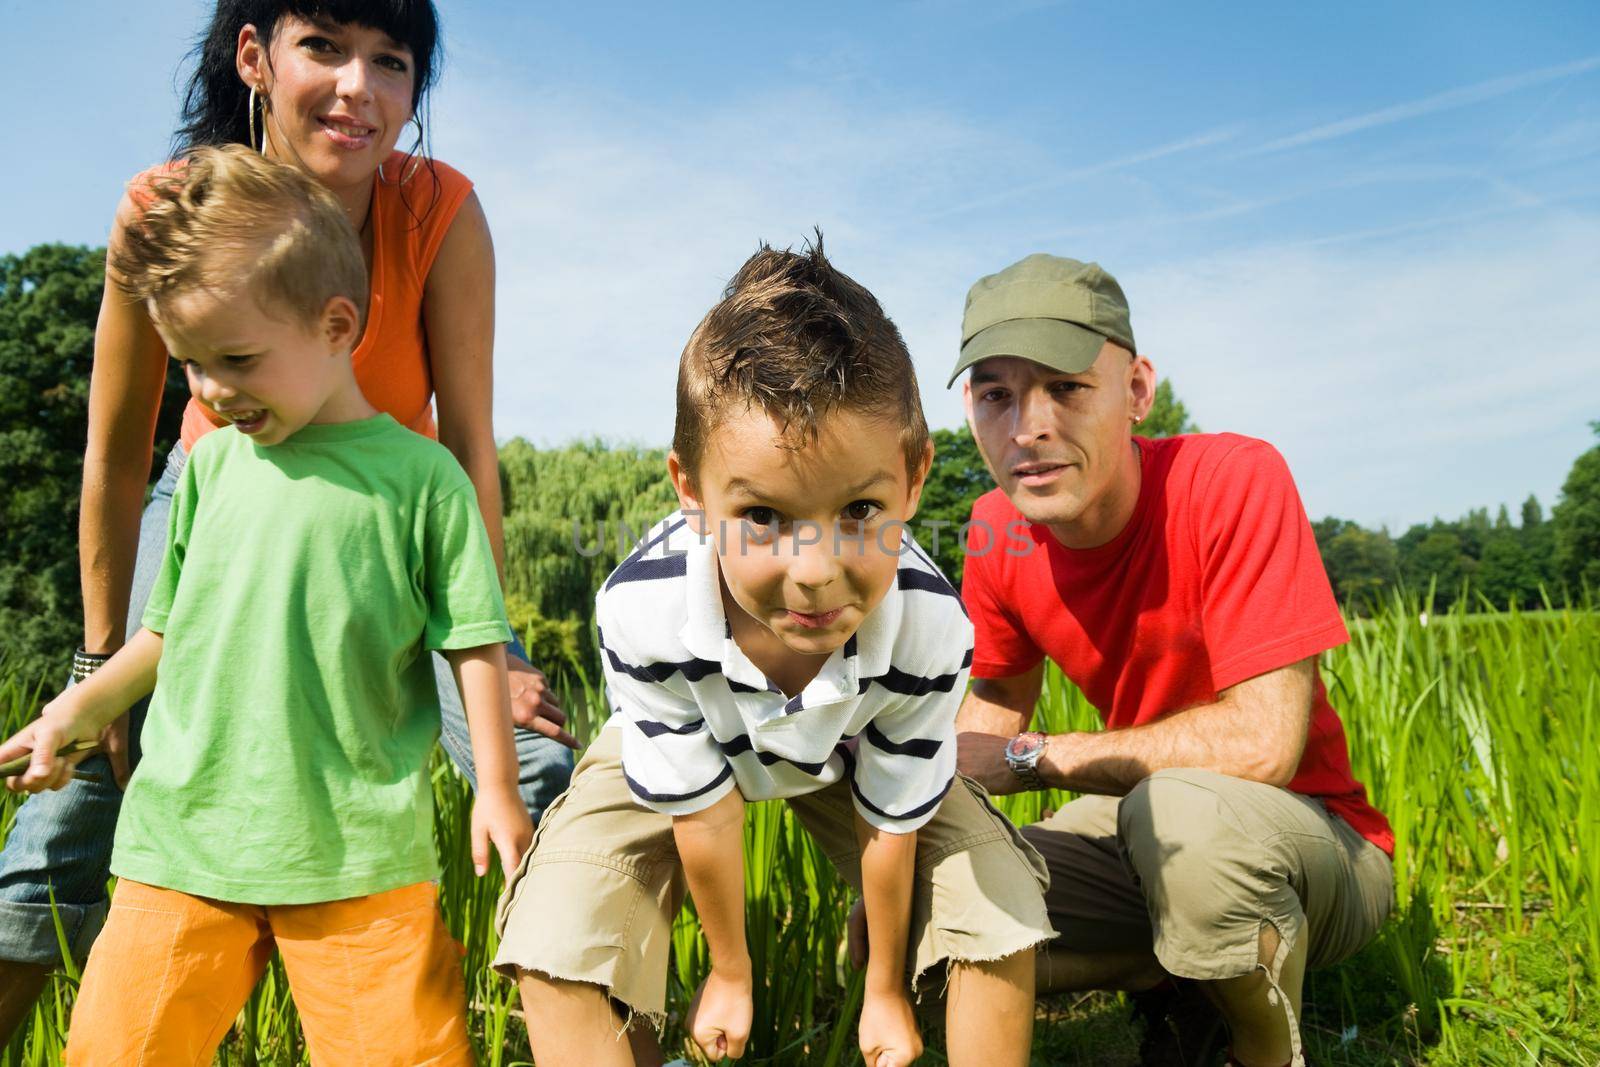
[(1215, 579)]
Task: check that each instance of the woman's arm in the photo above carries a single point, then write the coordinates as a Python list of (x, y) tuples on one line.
[(130, 367), (458, 313), (125, 386)]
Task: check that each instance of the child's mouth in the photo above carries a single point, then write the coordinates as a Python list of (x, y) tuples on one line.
[(814, 620), (248, 421)]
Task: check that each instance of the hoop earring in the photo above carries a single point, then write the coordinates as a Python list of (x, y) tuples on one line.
[(250, 107), (414, 162)]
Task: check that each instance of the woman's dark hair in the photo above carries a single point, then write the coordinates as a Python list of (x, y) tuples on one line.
[(216, 101)]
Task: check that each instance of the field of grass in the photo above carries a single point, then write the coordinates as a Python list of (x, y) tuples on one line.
[(1480, 739)]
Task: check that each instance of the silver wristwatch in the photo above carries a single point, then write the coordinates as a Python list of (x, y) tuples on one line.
[(1023, 753)]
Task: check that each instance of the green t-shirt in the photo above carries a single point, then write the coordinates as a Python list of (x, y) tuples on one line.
[(286, 747)]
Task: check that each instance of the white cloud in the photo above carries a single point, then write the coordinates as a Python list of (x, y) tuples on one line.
[(1399, 380)]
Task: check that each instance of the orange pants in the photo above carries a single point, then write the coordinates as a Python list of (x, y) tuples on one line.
[(376, 979)]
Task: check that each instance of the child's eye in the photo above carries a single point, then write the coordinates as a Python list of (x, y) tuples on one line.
[(862, 510), (238, 361), (759, 516)]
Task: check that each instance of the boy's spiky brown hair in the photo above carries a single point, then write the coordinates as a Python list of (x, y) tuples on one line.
[(230, 221), (798, 339)]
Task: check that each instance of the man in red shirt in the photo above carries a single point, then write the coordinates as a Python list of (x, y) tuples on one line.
[(1220, 836)]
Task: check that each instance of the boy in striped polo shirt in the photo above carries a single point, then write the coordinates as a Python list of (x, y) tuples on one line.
[(780, 636)]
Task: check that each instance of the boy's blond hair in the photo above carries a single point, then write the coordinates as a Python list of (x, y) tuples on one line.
[(799, 339), (233, 222)]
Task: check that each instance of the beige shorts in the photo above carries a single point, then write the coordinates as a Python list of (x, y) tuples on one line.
[(594, 898), (1191, 864)]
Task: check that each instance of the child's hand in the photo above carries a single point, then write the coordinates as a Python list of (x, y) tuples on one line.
[(55, 727), (498, 818), (889, 1035), (720, 1016)]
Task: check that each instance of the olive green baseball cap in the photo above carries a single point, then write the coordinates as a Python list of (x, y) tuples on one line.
[(1051, 310)]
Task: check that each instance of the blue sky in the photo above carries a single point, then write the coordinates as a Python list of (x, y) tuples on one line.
[(1369, 233)]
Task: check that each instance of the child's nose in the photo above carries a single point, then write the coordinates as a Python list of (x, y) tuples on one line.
[(814, 563), (212, 390)]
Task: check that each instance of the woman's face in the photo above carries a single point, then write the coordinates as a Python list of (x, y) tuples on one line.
[(338, 95)]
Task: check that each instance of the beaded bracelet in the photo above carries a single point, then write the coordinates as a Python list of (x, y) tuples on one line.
[(86, 663)]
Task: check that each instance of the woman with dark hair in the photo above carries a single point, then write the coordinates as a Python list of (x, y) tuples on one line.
[(331, 87)]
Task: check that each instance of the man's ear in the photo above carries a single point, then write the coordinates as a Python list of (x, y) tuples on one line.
[(341, 324), (1141, 387), (688, 497)]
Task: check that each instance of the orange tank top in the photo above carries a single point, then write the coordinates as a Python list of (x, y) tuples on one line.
[(412, 207)]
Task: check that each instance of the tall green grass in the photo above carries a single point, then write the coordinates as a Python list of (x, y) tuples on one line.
[(1478, 735)]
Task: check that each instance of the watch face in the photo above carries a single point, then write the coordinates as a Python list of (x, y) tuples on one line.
[(1023, 745)]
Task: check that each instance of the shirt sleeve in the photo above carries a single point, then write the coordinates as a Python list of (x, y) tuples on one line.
[(1266, 601), (465, 608), (180, 520), (670, 760), (906, 757), (1002, 648)]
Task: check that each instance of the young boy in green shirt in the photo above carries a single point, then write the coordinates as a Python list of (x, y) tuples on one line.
[(318, 551)]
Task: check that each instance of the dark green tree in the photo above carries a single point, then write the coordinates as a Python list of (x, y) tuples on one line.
[(1507, 575), (572, 514), (1435, 555), (1362, 564), (1538, 541), (955, 482), (1168, 416), (1532, 513), (49, 301), (1576, 522)]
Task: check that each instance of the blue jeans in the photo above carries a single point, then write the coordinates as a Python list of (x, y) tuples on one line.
[(60, 842)]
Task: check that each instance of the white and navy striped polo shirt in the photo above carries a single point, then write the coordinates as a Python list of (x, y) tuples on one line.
[(698, 718)]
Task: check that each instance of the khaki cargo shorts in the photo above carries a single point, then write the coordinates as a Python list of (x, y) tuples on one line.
[(594, 898), (1191, 864)]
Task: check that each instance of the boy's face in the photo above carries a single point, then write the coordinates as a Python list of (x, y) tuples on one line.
[(808, 541), (268, 374)]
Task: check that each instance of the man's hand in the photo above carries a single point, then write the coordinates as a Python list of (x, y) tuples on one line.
[(889, 1035), (720, 1015), (533, 704), (500, 820), (982, 757)]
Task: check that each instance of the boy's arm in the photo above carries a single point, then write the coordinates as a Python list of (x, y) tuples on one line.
[(498, 815), (711, 847), (82, 712), (888, 864)]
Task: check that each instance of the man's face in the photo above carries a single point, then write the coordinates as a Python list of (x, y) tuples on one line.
[(268, 374), (807, 539), (1054, 440)]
